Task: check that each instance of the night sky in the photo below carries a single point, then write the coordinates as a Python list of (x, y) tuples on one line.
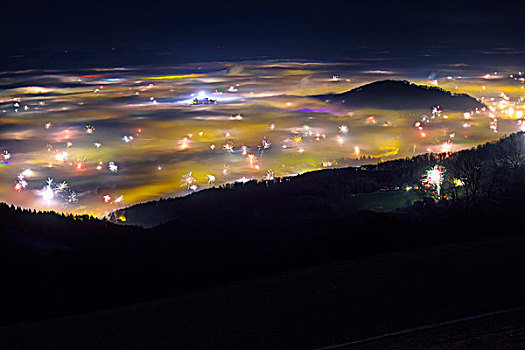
[(245, 28)]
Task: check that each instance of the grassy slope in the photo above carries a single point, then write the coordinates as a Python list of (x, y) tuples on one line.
[(382, 201), (324, 305)]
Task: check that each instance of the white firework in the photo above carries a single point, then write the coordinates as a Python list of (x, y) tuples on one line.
[(113, 167), (228, 146), (47, 192), (61, 191), (265, 144), (434, 177), (269, 175), (210, 178), (187, 181), (5, 155)]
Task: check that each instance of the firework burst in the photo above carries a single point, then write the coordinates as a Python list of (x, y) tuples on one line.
[(434, 177), (188, 181), (269, 175), (21, 182), (5, 156), (253, 161), (228, 146), (265, 144), (89, 129), (210, 178), (61, 191), (112, 167)]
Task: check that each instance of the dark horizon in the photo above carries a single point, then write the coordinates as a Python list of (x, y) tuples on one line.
[(333, 24), (68, 35)]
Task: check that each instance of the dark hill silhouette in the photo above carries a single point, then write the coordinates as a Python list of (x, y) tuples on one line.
[(402, 94), (53, 265), (316, 191)]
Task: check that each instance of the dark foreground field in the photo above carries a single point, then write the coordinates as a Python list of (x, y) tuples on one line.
[(337, 305)]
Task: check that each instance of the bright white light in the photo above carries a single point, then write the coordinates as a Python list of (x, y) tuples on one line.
[(211, 178), (113, 167), (27, 173), (47, 192), (446, 147)]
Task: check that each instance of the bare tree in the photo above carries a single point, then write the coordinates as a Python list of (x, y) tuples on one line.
[(467, 167), (513, 155)]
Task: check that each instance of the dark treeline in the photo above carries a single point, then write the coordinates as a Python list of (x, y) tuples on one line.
[(496, 162), (55, 265), (330, 187)]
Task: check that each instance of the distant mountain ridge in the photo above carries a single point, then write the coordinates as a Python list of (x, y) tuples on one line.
[(402, 94)]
